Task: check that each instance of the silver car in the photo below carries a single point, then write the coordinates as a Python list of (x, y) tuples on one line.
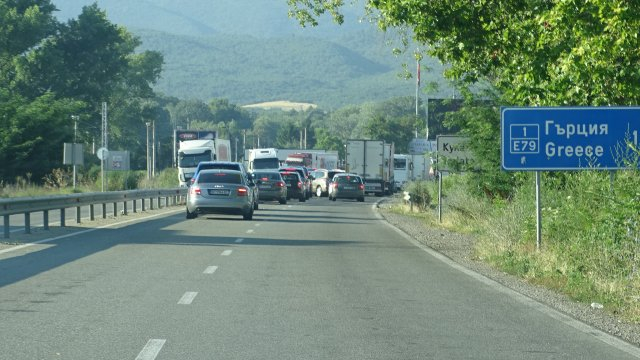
[(220, 191)]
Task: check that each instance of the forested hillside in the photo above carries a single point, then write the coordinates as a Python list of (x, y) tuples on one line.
[(248, 70), (250, 52)]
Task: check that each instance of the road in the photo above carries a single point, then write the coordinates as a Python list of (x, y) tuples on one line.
[(314, 280)]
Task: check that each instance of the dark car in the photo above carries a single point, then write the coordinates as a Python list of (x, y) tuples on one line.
[(229, 165), (347, 186), (295, 185), (304, 175), (271, 186), (220, 191)]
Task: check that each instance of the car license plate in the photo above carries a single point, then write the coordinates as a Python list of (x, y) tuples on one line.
[(288, 185), (218, 192), (264, 187), (348, 187)]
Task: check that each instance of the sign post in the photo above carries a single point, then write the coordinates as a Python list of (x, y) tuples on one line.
[(568, 138)]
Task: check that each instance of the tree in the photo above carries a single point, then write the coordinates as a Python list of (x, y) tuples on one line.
[(32, 134)]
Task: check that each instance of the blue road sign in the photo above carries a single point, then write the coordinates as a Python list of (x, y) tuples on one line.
[(569, 138)]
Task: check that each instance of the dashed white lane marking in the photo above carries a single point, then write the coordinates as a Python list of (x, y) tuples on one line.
[(210, 270), (250, 231), (151, 350), (226, 252), (258, 224), (238, 241), (187, 298)]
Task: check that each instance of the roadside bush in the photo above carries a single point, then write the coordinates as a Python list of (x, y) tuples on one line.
[(165, 179), (420, 193)]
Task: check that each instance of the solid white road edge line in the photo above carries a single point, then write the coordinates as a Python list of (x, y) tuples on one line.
[(18, 247), (555, 314), (151, 350), (187, 298)]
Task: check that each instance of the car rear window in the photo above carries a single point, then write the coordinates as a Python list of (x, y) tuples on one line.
[(220, 166), (267, 176), (349, 180), (220, 178), (290, 177)]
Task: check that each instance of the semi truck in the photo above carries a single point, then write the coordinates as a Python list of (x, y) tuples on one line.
[(262, 159), (373, 161), (402, 169), (192, 152)]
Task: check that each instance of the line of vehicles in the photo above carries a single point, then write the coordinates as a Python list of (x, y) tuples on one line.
[(218, 185)]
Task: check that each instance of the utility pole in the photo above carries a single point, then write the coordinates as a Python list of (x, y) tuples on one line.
[(147, 151), (105, 143), (153, 149), (73, 148)]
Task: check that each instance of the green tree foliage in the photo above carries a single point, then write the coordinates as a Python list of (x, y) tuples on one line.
[(51, 71), (22, 25), (32, 134)]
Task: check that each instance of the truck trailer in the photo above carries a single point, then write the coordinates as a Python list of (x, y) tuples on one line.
[(373, 161)]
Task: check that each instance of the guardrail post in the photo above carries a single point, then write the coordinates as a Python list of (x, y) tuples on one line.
[(45, 216), (78, 215), (92, 212), (124, 206), (27, 223), (159, 202), (135, 205), (150, 203), (143, 204), (104, 210), (115, 209), (62, 218), (6, 227)]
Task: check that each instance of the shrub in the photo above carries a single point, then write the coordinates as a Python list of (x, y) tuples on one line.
[(419, 191)]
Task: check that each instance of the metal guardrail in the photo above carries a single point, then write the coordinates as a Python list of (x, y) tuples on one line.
[(28, 205)]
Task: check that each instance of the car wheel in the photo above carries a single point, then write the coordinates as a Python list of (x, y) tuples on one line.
[(255, 205), (333, 198), (248, 215), (301, 198), (361, 199), (191, 215), (283, 201)]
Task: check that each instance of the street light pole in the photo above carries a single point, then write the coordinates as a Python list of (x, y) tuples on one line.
[(147, 151), (73, 147)]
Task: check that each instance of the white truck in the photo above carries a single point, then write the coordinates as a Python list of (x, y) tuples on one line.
[(192, 152), (317, 159), (373, 161), (262, 159), (402, 169)]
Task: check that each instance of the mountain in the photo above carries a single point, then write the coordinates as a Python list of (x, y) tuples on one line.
[(249, 51)]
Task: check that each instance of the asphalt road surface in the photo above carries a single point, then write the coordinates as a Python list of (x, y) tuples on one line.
[(314, 280)]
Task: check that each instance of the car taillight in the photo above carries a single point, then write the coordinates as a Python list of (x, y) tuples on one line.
[(361, 186), (242, 191), (195, 190), (299, 185), (334, 185), (280, 184)]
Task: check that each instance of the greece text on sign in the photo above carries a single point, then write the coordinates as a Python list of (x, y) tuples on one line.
[(569, 138)]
